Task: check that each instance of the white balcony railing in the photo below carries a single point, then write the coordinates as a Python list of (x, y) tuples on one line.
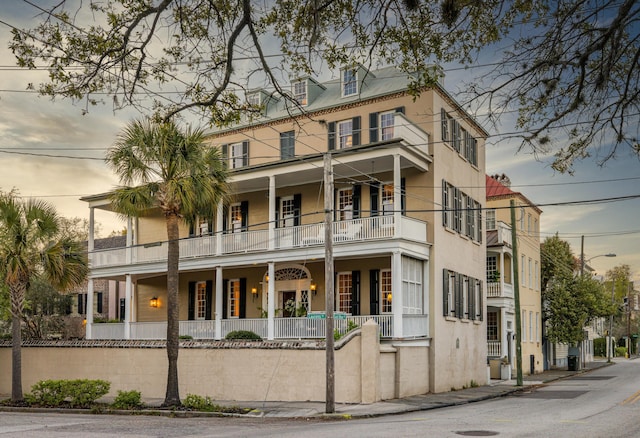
[(354, 230), (493, 349), (496, 289), (285, 328)]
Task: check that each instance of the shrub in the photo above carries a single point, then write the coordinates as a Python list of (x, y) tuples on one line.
[(185, 337), (79, 393), (199, 403), (621, 351), (600, 347), (127, 400), (243, 334)]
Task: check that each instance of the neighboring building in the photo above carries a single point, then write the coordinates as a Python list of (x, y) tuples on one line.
[(501, 318), (409, 252)]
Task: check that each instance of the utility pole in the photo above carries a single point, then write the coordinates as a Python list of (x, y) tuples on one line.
[(516, 294), (329, 284), (609, 346), (628, 321)]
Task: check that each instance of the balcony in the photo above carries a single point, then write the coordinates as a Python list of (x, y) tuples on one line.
[(414, 326), (344, 232), (497, 289)]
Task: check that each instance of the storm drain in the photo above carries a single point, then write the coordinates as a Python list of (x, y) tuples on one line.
[(476, 433)]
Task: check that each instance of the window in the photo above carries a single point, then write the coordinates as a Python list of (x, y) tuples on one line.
[(345, 204), (492, 268), (233, 303), (201, 300), (478, 300), (386, 296), (455, 134), (521, 218), (300, 92), (530, 326), (349, 82), (239, 154), (530, 273), (536, 284), (492, 326), (444, 128), (412, 290), (253, 99), (537, 327), (387, 121), (287, 144), (344, 281), (523, 280), (491, 219), (529, 223), (448, 290), (287, 212), (387, 199), (460, 212), (345, 134), (236, 218), (523, 325)]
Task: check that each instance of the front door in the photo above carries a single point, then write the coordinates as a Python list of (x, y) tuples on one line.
[(288, 303)]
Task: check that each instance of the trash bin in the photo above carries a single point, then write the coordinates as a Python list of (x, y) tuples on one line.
[(572, 363)]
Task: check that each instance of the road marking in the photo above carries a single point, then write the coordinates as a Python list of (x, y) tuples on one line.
[(574, 422), (499, 420), (632, 399)]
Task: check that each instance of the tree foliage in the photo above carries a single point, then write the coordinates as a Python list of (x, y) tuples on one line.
[(165, 167), (570, 67), (570, 301)]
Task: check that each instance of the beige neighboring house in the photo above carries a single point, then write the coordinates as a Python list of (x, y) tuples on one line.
[(501, 318), (408, 246)]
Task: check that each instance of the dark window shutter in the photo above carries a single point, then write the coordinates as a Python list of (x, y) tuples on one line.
[(480, 304), (225, 151), (209, 300), (445, 292), (444, 128), (373, 127), (403, 196), (356, 131), (456, 209), (278, 212), (374, 291), (355, 292), (332, 135), (243, 297), (355, 199), (244, 210), (191, 314), (192, 229), (225, 298), (80, 304), (245, 153), (99, 303), (400, 109), (374, 195), (123, 303), (297, 208), (225, 219), (445, 204), (479, 225)]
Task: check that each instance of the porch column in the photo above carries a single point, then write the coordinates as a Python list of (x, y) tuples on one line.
[(129, 250), (396, 293), (128, 293), (219, 230), (88, 331), (272, 212), (426, 310), (397, 197), (92, 222), (271, 302), (219, 304), (502, 276)]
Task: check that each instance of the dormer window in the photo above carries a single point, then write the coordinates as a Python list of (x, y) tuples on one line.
[(349, 82), (253, 99), (300, 92)]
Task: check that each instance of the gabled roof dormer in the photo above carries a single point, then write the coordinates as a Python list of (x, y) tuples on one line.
[(352, 80), (261, 98), (306, 90)]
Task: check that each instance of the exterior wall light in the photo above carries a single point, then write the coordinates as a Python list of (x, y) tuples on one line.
[(313, 288), (153, 302)]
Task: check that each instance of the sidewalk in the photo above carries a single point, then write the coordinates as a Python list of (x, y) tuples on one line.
[(497, 388)]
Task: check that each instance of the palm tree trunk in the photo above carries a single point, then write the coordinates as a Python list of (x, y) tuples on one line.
[(172, 397), (16, 360)]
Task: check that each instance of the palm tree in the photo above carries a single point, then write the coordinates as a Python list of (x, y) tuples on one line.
[(30, 246), (175, 171)]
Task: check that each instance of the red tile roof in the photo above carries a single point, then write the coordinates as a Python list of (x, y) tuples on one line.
[(495, 188)]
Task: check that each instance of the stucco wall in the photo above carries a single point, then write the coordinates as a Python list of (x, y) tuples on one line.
[(280, 371)]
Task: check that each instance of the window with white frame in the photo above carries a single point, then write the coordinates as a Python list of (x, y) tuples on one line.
[(345, 204), (412, 301), (287, 144), (345, 134), (491, 219), (492, 268), (530, 326), (530, 273), (523, 279), (287, 211), (387, 199), (236, 217), (300, 92), (349, 82), (492, 326), (345, 285), (253, 99), (387, 121), (233, 297), (537, 327), (201, 300), (537, 277), (239, 155), (386, 296), (449, 285)]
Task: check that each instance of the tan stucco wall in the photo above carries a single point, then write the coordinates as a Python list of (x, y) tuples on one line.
[(243, 374)]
